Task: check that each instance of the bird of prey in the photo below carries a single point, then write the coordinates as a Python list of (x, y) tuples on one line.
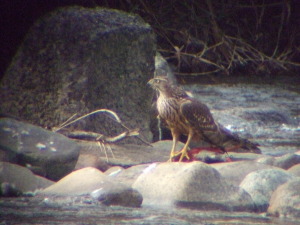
[(188, 116)]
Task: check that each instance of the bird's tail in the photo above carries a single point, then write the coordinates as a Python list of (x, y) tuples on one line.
[(232, 142), (228, 141)]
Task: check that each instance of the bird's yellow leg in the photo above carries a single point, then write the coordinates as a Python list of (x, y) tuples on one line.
[(183, 151), (175, 140)]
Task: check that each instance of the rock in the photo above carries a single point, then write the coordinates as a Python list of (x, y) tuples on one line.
[(90, 160), (211, 157), (266, 159), (235, 172), (113, 171), (45, 153), (16, 180), (129, 176), (79, 182), (262, 183), (112, 193), (193, 184), (92, 182), (285, 162), (127, 155), (285, 200), (77, 60), (295, 170)]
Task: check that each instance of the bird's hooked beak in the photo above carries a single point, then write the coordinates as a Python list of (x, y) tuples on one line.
[(151, 83)]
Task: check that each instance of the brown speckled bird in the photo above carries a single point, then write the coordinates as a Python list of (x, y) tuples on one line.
[(188, 116)]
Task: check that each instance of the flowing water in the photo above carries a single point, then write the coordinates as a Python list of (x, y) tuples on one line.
[(266, 114), (36, 211)]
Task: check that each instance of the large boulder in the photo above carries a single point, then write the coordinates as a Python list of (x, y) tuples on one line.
[(92, 182), (262, 183), (285, 201), (16, 180), (237, 171), (44, 152), (77, 60), (195, 185)]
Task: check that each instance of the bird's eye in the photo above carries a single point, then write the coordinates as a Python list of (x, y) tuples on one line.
[(157, 81)]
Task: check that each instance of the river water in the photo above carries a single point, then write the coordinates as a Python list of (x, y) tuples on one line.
[(36, 211), (267, 114)]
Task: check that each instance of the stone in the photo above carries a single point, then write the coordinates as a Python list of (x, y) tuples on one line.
[(46, 153), (285, 201), (127, 155), (211, 157), (128, 176), (90, 160), (235, 172), (195, 185), (79, 182), (113, 171), (112, 193), (16, 180), (91, 182), (285, 161), (295, 170), (261, 184), (77, 60)]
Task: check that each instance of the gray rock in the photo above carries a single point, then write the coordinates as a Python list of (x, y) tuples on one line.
[(285, 200), (285, 161), (295, 170), (79, 182), (77, 60), (90, 160), (193, 184), (92, 182), (262, 183), (127, 155), (129, 176), (45, 153), (111, 193), (16, 180), (235, 172), (211, 157), (113, 171)]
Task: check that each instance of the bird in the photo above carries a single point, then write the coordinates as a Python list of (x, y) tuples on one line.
[(185, 115)]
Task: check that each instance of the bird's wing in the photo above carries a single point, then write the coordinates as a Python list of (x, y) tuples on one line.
[(198, 115)]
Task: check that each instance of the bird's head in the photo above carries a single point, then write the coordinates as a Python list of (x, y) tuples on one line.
[(160, 83)]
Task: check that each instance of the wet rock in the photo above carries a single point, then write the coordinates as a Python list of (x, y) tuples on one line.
[(285, 200), (285, 162), (266, 159), (112, 193), (92, 182), (129, 176), (44, 152), (128, 155), (9, 190), (210, 157), (90, 160), (235, 172), (261, 184), (77, 60), (79, 182), (193, 184), (113, 171), (16, 180), (295, 170)]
